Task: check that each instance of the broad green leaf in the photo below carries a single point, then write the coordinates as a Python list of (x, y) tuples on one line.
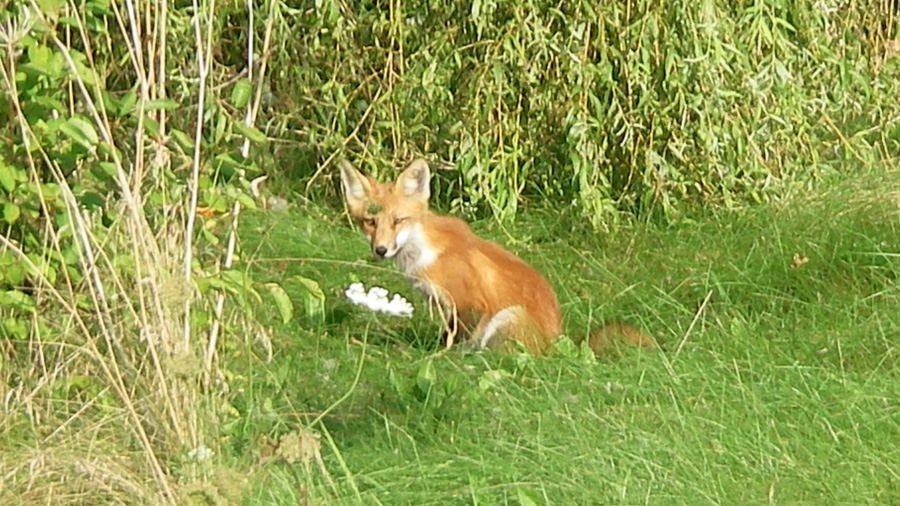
[(99, 7), (17, 301), (11, 212), (83, 68), (237, 279), (245, 200), (151, 126), (183, 141), (84, 302), (39, 58), (69, 22), (251, 133), (81, 131), (313, 299), (490, 379), (50, 7), (126, 103), (123, 262), (50, 273), (70, 255), (200, 318), (7, 176), (15, 328), (91, 200), (426, 377), (395, 381), (566, 347), (528, 497), (225, 160), (282, 301), (41, 268), (215, 202), (104, 170), (240, 94), (222, 122), (50, 191), (12, 274)]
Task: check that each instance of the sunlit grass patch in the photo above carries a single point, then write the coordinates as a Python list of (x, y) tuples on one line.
[(777, 325)]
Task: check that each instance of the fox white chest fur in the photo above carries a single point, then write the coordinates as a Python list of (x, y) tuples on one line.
[(414, 253), (413, 257)]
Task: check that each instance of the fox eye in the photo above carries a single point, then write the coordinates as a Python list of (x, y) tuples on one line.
[(369, 222), (400, 221)]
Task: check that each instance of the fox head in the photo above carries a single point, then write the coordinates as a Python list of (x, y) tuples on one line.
[(387, 213)]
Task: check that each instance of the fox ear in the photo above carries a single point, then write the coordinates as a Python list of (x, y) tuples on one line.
[(357, 186), (415, 180)]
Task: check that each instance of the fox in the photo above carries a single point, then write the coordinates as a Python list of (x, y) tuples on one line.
[(485, 293)]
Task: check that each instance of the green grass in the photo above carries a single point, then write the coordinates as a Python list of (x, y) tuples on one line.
[(781, 389)]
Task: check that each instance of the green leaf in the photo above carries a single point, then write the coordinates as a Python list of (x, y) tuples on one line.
[(489, 380), (50, 7), (245, 200), (426, 377), (282, 301), (104, 171), (39, 58), (237, 280), (313, 298), (240, 94), (83, 68), (394, 379), (182, 139), (15, 328), (152, 126), (50, 191), (222, 122), (81, 131), (528, 497), (12, 271), (566, 347), (251, 133), (227, 165), (215, 202), (40, 267), (99, 7), (11, 212), (84, 302), (126, 103), (91, 200), (7, 176), (160, 103), (17, 301)]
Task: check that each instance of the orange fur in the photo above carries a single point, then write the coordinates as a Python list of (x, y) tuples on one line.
[(605, 340), (487, 291)]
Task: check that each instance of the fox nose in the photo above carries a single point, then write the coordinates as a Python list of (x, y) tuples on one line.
[(380, 251)]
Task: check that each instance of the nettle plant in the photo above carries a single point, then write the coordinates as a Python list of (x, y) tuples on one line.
[(123, 172)]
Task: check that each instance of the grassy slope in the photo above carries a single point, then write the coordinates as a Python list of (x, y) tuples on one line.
[(783, 391)]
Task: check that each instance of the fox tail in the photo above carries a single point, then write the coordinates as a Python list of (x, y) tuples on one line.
[(610, 338)]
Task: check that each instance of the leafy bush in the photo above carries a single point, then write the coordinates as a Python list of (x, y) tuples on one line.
[(638, 106), (122, 177)]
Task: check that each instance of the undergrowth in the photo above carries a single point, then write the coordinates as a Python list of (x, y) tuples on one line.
[(778, 327)]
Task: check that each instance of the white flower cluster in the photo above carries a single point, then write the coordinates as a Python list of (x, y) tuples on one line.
[(376, 299), (200, 454)]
